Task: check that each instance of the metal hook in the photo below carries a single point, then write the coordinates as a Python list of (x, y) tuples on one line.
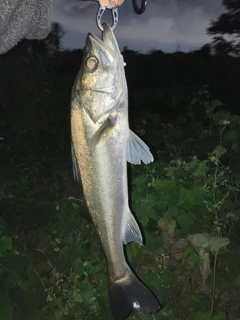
[(136, 7), (114, 17)]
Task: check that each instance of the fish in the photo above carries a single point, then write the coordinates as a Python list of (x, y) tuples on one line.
[(102, 144)]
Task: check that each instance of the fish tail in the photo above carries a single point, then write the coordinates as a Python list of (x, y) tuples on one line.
[(130, 294)]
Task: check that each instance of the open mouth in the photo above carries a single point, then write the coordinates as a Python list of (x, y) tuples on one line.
[(108, 45)]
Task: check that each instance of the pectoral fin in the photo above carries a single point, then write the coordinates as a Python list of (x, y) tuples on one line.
[(132, 231), (137, 150), (76, 171), (101, 136)]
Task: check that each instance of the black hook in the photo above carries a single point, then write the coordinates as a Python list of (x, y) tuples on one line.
[(136, 7)]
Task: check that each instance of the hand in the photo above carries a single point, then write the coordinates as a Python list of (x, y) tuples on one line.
[(110, 4)]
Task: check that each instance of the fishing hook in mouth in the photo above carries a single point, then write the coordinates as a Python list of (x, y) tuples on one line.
[(114, 17)]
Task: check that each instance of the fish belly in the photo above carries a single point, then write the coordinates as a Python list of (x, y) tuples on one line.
[(104, 179)]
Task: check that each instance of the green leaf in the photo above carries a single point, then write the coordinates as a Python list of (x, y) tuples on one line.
[(164, 186), (196, 301), (216, 243), (153, 241), (214, 104), (195, 261), (190, 198), (29, 284), (78, 266), (168, 190), (221, 316), (236, 146), (193, 257), (203, 316), (141, 208), (204, 240), (139, 181), (87, 293), (172, 210), (219, 151), (5, 244), (221, 115), (185, 220), (200, 170), (166, 278), (199, 240), (194, 101), (75, 206), (132, 250), (233, 135), (188, 251)]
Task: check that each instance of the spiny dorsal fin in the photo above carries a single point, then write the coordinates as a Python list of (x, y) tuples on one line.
[(137, 150)]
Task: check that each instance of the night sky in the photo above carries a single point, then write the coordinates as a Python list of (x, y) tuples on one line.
[(167, 25)]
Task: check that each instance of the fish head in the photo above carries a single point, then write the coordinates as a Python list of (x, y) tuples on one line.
[(101, 83)]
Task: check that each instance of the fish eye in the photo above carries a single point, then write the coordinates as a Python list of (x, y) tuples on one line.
[(91, 63)]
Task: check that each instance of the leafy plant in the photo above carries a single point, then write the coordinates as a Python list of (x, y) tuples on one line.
[(186, 202)]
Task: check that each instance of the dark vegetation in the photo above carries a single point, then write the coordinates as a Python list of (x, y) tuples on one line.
[(187, 201), (226, 29)]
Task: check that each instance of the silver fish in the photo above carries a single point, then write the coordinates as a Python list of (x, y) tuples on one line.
[(102, 143)]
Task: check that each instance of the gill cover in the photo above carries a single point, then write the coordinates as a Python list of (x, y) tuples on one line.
[(101, 83)]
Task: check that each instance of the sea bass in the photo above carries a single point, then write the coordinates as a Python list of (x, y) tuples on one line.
[(102, 143)]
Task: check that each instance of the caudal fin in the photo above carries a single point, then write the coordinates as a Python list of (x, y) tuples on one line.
[(130, 294)]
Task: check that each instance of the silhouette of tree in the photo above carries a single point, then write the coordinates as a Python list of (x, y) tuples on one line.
[(228, 25), (53, 40)]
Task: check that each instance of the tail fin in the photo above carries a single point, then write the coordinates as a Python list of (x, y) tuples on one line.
[(130, 294)]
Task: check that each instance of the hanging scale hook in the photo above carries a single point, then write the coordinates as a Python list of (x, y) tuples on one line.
[(113, 6), (107, 4)]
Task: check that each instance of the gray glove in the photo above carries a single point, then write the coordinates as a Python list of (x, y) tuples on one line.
[(30, 19)]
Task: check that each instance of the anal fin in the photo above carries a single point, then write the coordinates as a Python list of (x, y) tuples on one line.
[(132, 231)]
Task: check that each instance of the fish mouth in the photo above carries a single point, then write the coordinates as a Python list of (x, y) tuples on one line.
[(107, 47)]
